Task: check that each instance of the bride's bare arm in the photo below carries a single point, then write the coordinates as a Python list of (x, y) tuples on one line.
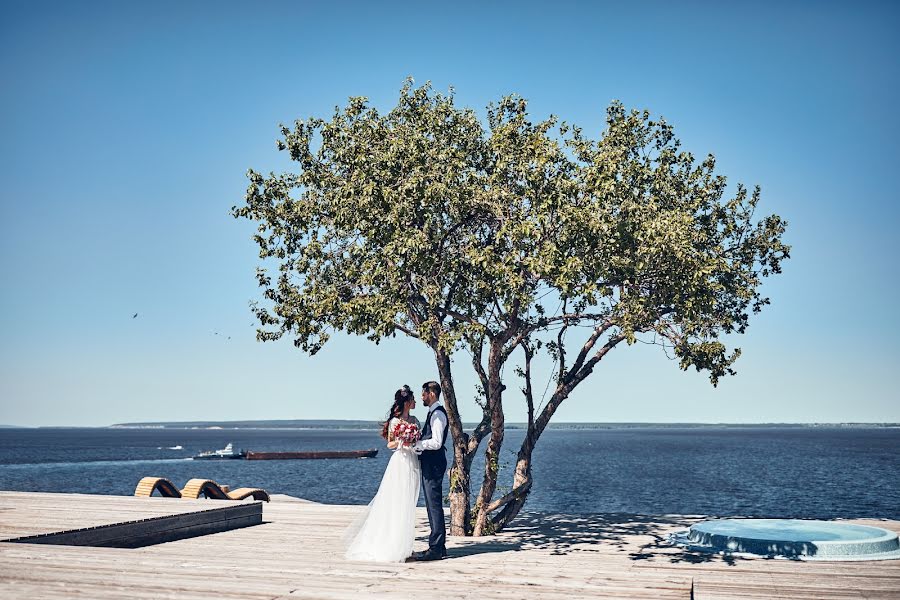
[(392, 443)]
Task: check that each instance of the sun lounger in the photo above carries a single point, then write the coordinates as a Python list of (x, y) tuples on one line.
[(210, 489), (148, 485), (195, 488)]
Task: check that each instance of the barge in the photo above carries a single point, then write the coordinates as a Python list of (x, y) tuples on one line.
[(229, 453), (254, 455)]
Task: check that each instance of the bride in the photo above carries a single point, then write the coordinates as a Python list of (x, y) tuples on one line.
[(385, 531)]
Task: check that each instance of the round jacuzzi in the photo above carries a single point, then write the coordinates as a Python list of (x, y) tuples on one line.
[(791, 538)]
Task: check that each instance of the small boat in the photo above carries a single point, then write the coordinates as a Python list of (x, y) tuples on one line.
[(253, 455), (226, 453)]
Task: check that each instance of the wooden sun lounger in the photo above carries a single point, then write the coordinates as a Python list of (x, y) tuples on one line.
[(211, 489), (195, 487), (166, 488)]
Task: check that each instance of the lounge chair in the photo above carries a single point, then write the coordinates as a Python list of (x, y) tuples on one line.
[(210, 489), (148, 485)]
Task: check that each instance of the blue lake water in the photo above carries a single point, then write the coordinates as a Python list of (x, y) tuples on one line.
[(760, 472)]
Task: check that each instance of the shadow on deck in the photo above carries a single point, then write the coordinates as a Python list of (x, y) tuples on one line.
[(568, 534)]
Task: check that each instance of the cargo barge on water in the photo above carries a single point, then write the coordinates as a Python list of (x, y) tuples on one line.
[(253, 455), (228, 453)]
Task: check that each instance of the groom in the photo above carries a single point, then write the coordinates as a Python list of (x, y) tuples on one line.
[(431, 451)]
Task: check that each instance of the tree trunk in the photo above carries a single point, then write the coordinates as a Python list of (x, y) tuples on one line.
[(513, 502), (522, 483), (483, 524), (462, 520), (459, 493)]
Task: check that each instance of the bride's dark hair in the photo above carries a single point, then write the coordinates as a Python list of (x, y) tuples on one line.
[(401, 397)]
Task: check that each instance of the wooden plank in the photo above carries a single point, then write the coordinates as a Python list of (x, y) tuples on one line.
[(188, 583), (706, 590)]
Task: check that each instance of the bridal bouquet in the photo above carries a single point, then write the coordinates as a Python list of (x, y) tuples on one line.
[(408, 433)]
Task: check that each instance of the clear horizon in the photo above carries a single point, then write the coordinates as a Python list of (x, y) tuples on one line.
[(174, 424), (128, 130)]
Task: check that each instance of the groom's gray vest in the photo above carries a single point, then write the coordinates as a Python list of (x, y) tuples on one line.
[(434, 462)]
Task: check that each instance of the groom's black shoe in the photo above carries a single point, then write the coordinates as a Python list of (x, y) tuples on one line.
[(416, 556), (433, 554)]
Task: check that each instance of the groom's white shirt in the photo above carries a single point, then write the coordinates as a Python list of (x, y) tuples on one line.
[(437, 430)]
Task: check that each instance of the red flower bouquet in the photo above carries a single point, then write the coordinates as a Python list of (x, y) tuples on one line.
[(408, 433)]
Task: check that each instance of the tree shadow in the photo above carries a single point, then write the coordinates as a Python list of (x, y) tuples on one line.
[(562, 534)]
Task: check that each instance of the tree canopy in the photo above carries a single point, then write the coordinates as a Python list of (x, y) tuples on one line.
[(427, 221)]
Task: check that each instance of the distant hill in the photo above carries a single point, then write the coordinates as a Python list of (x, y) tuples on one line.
[(262, 424), (351, 424)]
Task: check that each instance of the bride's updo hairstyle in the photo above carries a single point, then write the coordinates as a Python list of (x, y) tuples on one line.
[(401, 397)]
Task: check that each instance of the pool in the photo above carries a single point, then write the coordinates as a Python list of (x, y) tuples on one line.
[(791, 538)]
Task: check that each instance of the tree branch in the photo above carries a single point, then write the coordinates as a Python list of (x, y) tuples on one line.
[(572, 379), (512, 495), (484, 427), (478, 434), (560, 346), (476, 361), (589, 365), (521, 337), (442, 312), (500, 312), (574, 317), (586, 348), (406, 330), (529, 395), (451, 292), (526, 330)]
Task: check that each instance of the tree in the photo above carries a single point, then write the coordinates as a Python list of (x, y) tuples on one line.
[(509, 237)]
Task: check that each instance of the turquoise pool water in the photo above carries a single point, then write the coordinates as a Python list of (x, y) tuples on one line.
[(789, 530), (791, 538)]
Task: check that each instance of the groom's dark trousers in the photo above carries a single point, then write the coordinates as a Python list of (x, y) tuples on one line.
[(434, 465), (433, 483)]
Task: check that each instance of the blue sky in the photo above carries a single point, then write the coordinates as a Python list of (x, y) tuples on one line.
[(127, 130)]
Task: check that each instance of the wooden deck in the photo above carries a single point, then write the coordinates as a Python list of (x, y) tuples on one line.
[(186, 522), (296, 553)]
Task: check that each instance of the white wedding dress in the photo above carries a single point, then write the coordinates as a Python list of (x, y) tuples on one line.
[(385, 531)]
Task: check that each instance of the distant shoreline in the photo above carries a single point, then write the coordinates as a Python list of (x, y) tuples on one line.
[(337, 424)]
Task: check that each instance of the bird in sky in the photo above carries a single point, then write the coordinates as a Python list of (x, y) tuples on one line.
[(134, 316)]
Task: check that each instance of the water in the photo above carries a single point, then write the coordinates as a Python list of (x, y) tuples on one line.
[(789, 530), (819, 473)]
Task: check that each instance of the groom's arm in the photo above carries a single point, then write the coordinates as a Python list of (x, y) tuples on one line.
[(438, 425)]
